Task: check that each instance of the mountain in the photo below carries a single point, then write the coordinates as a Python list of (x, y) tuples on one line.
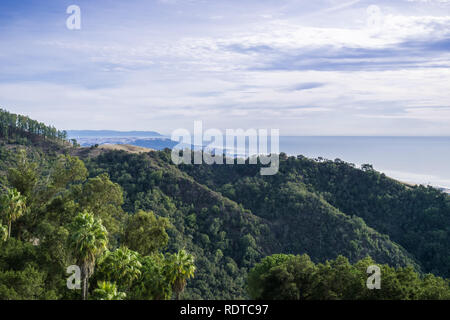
[(227, 234), (228, 217), (74, 134), (145, 139), (415, 217)]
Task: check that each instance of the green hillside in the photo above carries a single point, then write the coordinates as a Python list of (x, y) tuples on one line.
[(148, 215), (417, 218), (287, 218)]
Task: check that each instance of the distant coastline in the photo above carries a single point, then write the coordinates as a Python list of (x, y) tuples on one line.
[(414, 160)]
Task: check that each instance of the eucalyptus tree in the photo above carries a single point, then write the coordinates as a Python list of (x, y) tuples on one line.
[(88, 240), (178, 269)]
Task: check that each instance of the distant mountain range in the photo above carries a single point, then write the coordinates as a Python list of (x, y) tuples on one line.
[(146, 139), (74, 134)]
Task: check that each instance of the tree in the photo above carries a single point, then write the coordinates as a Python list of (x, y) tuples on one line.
[(88, 241), (24, 176), (121, 266), (366, 167), (26, 284), (179, 267), (338, 279), (153, 284), (297, 277), (13, 207), (284, 277), (146, 233), (104, 198), (255, 283), (107, 291), (67, 170), (13, 125), (3, 232)]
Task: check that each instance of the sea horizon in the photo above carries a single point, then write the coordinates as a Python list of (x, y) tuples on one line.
[(410, 159)]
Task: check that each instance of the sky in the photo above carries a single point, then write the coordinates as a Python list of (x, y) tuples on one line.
[(324, 67)]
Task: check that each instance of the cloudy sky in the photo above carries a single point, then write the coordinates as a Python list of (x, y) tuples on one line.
[(325, 67)]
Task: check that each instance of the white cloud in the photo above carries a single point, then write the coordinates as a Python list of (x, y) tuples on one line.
[(128, 77), (430, 1)]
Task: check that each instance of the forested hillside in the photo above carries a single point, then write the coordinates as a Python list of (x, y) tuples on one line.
[(417, 218), (147, 217), (229, 236), (53, 216), (14, 126), (296, 277)]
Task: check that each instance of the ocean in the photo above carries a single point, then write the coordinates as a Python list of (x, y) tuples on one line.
[(417, 160)]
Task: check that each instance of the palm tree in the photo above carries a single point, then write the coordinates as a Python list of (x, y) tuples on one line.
[(121, 266), (14, 206), (179, 267), (3, 232), (88, 240), (108, 291)]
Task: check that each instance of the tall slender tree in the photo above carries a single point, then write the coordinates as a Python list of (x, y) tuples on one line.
[(179, 267), (88, 240), (13, 207)]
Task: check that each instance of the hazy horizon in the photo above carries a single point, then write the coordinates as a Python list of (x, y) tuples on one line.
[(411, 159), (167, 133)]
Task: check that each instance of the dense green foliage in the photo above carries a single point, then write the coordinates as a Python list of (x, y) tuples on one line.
[(292, 277), (145, 232), (88, 239), (107, 291), (129, 221), (415, 217), (224, 238), (268, 215), (53, 216)]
